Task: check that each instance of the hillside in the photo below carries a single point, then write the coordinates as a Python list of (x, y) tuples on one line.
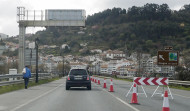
[(147, 28)]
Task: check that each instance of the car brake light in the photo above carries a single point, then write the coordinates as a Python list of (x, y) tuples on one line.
[(68, 78), (87, 78)]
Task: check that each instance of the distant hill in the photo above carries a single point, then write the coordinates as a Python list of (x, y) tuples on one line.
[(147, 28)]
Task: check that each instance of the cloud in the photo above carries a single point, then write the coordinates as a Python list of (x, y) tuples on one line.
[(8, 24), (8, 11)]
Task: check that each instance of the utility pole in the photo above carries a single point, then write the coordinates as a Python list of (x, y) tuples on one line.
[(139, 62)]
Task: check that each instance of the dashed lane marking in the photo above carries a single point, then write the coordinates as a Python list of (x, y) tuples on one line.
[(135, 109)]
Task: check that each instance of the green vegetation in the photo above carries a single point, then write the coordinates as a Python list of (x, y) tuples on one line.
[(9, 88), (180, 87), (148, 28), (129, 80)]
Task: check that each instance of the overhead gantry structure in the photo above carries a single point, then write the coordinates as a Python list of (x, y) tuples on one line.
[(47, 18)]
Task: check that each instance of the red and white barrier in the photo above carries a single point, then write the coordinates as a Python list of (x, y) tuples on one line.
[(150, 81)]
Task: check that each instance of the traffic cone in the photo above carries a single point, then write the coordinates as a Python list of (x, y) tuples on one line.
[(95, 80), (134, 95), (98, 81), (111, 86), (166, 102), (104, 83)]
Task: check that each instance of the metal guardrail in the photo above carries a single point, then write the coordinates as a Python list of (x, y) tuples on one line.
[(176, 82), (185, 83), (9, 79)]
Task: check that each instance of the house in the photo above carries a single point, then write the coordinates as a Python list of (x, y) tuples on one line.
[(104, 69), (112, 66), (52, 46), (90, 58), (3, 36), (64, 46), (78, 64), (81, 32), (131, 72), (96, 51), (115, 54), (2, 49), (83, 44), (133, 56)]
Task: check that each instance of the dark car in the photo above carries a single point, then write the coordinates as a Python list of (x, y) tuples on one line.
[(78, 78)]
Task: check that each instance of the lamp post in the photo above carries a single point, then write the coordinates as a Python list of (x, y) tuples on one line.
[(36, 44), (63, 67)]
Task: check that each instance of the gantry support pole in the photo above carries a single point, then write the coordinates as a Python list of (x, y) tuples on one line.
[(22, 30)]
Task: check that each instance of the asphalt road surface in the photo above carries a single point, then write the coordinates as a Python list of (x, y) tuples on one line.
[(54, 97)]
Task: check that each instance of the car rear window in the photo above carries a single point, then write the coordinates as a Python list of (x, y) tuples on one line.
[(78, 72)]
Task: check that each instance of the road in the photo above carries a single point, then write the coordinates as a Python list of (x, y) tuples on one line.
[(54, 97)]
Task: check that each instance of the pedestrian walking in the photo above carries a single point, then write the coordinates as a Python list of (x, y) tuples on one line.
[(26, 75)]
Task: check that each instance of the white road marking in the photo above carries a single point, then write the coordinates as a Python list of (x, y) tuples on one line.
[(20, 106), (135, 109), (181, 95), (171, 92)]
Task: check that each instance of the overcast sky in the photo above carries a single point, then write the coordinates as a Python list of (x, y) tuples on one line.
[(9, 26)]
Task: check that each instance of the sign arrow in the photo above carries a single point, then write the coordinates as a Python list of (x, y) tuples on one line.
[(161, 57), (137, 80), (164, 81)]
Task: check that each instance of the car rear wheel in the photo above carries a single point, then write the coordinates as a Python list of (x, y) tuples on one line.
[(67, 87), (89, 87)]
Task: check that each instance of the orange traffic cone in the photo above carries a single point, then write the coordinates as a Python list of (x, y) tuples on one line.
[(104, 83), (98, 81), (111, 86), (134, 95), (95, 80), (166, 102)]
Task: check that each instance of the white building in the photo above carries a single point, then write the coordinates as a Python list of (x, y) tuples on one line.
[(3, 36), (64, 46), (104, 69), (96, 51), (131, 72), (115, 54)]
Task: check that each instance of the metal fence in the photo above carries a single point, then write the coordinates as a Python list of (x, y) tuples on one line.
[(8, 79)]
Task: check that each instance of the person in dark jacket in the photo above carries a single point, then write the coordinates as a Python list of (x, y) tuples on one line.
[(26, 75)]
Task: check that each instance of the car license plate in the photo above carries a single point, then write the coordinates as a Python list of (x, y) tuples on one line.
[(78, 77)]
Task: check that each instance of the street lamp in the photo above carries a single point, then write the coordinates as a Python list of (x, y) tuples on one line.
[(36, 44), (63, 67)]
